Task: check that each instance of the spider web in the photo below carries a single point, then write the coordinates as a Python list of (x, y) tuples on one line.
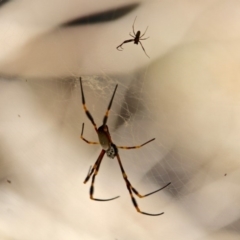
[(181, 98)]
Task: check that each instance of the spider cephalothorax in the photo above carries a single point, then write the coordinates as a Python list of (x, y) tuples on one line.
[(111, 150)]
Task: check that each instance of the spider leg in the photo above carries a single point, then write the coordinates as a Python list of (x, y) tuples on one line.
[(144, 49), (130, 188), (84, 139), (148, 194), (90, 172), (144, 32), (85, 107), (127, 41), (133, 25), (95, 169), (92, 169), (144, 38), (134, 190), (109, 107), (131, 35), (133, 147)]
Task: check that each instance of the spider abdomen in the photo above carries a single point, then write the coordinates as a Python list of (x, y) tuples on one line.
[(112, 151), (136, 40)]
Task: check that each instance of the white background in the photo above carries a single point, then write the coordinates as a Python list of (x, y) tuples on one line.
[(187, 96)]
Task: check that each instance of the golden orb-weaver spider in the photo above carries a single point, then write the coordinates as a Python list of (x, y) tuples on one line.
[(111, 150), (137, 38)]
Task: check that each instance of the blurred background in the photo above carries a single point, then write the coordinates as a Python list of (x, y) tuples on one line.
[(186, 95)]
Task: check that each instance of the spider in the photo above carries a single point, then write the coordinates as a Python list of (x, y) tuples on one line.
[(137, 37), (111, 150)]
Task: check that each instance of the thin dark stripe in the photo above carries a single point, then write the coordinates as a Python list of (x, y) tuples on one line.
[(105, 16)]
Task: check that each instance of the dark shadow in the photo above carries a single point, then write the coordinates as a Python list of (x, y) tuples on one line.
[(106, 16)]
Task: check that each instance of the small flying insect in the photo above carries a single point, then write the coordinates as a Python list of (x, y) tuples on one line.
[(137, 38), (109, 148)]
